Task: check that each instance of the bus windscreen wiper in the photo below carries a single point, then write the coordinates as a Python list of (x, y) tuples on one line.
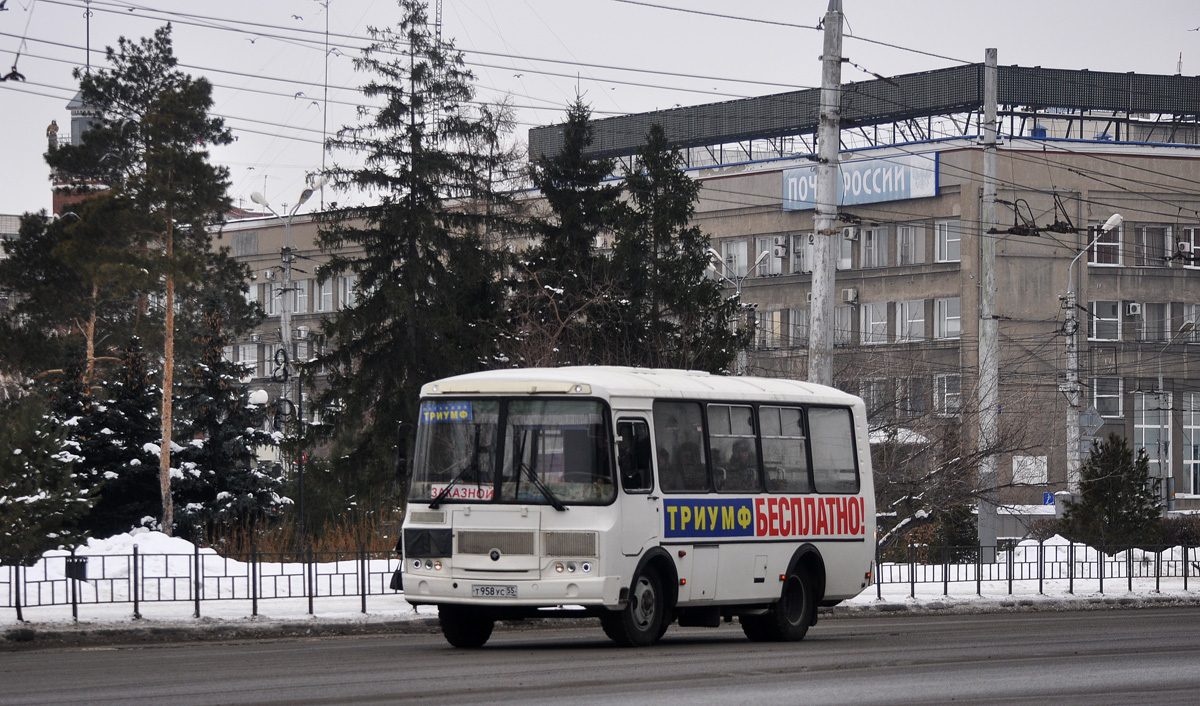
[(445, 491), (542, 488)]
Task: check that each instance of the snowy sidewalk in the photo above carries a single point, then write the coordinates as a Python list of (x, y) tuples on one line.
[(1040, 581)]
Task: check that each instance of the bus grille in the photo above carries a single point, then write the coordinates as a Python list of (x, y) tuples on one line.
[(431, 517), (569, 543), (483, 542)]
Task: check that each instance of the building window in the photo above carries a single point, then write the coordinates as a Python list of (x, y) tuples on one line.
[(770, 265), (1030, 470), (347, 291), (910, 245), (910, 320), (874, 394), (798, 327), (1191, 441), (248, 358), (323, 296), (734, 254), (1106, 396), (912, 396), (1156, 321), (1151, 245), (271, 299), (947, 396), (1190, 313), (947, 317), (300, 295), (874, 323), (843, 325), (1152, 428), (875, 247), (1106, 251), (802, 253), (948, 240), (1191, 236), (845, 249), (252, 294), (766, 330), (1105, 318)]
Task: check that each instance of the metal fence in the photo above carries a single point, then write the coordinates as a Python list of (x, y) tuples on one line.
[(138, 578), (1070, 567)]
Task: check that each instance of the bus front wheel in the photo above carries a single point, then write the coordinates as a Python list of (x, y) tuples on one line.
[(640, 623), (465, 627)]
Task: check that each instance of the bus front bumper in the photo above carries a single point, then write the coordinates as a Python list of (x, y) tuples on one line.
[(497, 592)]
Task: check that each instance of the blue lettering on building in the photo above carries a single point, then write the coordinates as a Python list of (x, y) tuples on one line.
[(910, 176)]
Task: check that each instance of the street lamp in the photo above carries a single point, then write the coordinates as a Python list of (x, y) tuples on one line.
[(285, 325), (716, 259), (1071, 387)]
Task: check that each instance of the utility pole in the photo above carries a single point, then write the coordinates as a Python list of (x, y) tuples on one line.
[(820, 342), (1071, 385), (989, 343), (284, 358)]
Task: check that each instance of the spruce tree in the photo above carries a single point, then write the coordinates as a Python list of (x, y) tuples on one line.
[(221, 480), (672, 315), (39, 499), (149, 145), (427, 293), (561, 310), (1116, 508), (119, 436)]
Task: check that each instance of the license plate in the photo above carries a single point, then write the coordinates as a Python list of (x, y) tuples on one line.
[(493, 591)]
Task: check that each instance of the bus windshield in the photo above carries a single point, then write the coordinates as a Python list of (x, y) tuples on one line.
[(550, 452)]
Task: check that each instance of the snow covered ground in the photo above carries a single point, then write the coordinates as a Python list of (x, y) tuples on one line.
[(166, 566)]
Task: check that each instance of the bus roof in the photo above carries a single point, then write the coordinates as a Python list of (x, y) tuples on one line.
[(612, 381)]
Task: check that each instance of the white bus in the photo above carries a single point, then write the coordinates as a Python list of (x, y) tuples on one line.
[(643, 497)]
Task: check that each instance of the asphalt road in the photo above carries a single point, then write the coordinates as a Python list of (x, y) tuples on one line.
[(1089, 657)]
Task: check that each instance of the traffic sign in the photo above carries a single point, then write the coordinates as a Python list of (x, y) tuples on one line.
[(1091, 421), (1047, 498)]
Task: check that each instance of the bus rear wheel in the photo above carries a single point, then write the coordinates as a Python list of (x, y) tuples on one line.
[(789, 618), (643, 619), (464, 626)]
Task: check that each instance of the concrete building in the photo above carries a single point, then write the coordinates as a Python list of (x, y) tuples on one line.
[(1076, 147)]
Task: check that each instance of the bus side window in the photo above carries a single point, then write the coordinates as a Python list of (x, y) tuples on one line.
[(633, 456), (679, 433), (785, 456), (835, 466)]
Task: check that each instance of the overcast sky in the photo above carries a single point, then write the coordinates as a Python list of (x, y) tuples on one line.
[(267, 59)]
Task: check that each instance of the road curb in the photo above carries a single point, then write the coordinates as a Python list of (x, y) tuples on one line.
[(37, 636)]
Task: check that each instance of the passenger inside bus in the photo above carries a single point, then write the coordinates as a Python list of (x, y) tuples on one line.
[(740, 472)]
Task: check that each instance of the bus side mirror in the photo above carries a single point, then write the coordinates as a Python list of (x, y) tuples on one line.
[(403, 437)]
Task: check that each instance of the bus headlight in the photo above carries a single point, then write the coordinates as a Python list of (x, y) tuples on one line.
[(586, 567), (558, 566), (416, 563), (437, 565), (570, 567)]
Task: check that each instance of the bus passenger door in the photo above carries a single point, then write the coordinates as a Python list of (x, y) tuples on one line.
[(640, 510)]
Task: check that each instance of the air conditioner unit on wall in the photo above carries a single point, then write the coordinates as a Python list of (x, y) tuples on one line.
[(302, 333), (851, 232), (269, 275), (808, 297), (849, 295), (1133, 309)]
